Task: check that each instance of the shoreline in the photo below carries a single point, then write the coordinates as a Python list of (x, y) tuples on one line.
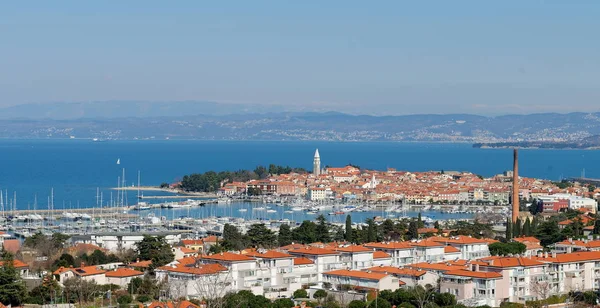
[(167, 190)]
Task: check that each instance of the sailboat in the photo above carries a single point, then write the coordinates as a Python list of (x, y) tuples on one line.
[(118, 161)]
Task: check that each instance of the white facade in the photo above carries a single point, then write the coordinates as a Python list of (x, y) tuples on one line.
[(317, 194)]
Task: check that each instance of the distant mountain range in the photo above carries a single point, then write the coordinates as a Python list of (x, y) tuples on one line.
[(214, 121)]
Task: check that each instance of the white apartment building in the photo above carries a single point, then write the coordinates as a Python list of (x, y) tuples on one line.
[(361, 280), (317, 194)]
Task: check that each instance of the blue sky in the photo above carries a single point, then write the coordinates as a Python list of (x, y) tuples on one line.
[(380, 57)]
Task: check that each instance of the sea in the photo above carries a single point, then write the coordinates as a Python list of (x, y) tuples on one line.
[(76, 169)]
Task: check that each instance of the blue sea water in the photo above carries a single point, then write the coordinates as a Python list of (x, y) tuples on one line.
[(75, 168)]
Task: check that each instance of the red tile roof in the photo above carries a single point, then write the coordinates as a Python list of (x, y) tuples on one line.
[(398, 271), (498, 261), (353, 248), (572, 257), (302, 261), (357, 274), (380, 255), (269, 254), (228, 257), (12, 245), (474, 274), (205, 269), (451, 249), (81, 271), (16, 263), (390, 245), (123, 272), (310, 250), (141, 264)]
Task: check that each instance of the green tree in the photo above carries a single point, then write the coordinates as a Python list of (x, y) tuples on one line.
[(436, 225), (12, 288), (357, 304), (380, 303), (322, 229), (504, 249), (261, 236), (348, 234), (124, 300), (283, 303), (306, 233), (517, 228), (413, 230), (155, 248), (44, 293), (319, 295), (65, 260), (420, 222), (534, 208), (134, 285), (596, 225), (509, 234), (300, 293), (548, 233), (164, 185), (233, 239), (526, 227), (445, 299), (371, 231), (284, 237)]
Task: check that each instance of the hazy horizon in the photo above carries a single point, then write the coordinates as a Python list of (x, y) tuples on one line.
[(385, 58)]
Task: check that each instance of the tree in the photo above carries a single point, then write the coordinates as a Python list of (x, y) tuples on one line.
[(124, 300), (548, 233), (134, 285), (305, 233), (12, 289), (233, 239), (348, 234), (155, 248), (283, 303), (260, 236), (420, 222), (509, 234), (284, 237), (445, 299), (80, 290), (45, 292), (517, 228), (504, 249), (371, 235), (322, 229), (526, 227), (541, 287), (413, 230), (65, 260), (164, 185), (357, 304), (319, 295), (436, 225), (380, 303), (421, 295), (596, 225), (300, 293)]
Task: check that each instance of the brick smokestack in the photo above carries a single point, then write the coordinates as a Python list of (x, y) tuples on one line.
[(515, 190)]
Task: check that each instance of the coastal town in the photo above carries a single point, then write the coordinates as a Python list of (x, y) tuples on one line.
[(544, 249)]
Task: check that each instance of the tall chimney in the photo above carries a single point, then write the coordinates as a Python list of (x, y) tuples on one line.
[(515, 188)]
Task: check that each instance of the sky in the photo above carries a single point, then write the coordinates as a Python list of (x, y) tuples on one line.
[(362, 57)]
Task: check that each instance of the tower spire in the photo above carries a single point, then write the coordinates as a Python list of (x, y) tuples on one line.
[(317, 163)]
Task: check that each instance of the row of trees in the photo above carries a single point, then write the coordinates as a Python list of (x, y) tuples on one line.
[(211, 181), (258, 235)]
